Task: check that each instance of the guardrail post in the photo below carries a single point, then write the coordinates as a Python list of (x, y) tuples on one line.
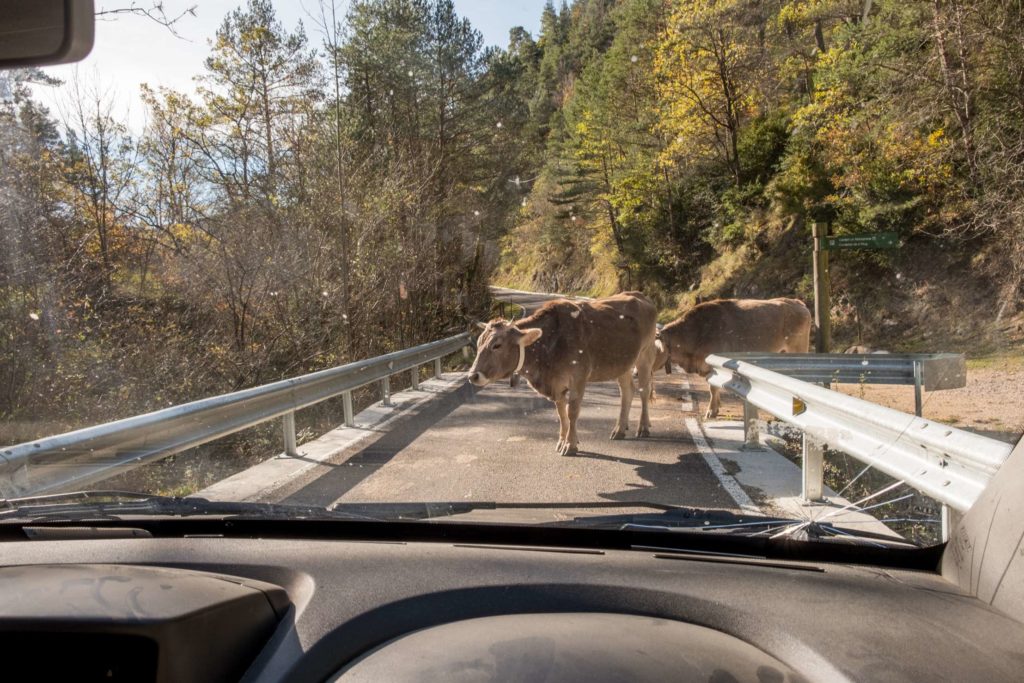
[(813, 469), (947, 522), (414, 378), (288, 423), (346, 402), (437, 367), (385, 390), (751, 433)]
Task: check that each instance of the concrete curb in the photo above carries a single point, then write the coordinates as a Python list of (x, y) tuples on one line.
[(261, 479)]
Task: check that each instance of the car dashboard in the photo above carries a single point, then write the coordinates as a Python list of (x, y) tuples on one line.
[(133, 606)]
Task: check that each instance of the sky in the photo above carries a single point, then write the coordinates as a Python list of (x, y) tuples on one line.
[(133, 50)]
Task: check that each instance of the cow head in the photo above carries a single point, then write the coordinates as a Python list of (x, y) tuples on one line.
[(500, 351), (691, 361), (682, 350)]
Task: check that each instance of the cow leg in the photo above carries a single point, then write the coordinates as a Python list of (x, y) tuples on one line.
[(646, 380), (626, 396), (572, 442), (712, 411), (562, 407)]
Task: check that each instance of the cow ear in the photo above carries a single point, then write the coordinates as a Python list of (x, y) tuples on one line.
[(482, 326), (530, 335)]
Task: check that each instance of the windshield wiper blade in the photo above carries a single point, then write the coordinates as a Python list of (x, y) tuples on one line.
[(684, 520), (679, 519), (110, 504), (77, 496), (780, 529), (432, 509), (74, 502), (114, 504)]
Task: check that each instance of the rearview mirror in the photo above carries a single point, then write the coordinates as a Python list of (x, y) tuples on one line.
[(39, 32)]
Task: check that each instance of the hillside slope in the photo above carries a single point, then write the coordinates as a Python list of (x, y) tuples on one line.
[(685, 148)]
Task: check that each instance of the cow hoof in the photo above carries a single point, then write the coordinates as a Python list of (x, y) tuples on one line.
[(560, 447), (643, 433), (710, 415), (569, 450), (618, 434)]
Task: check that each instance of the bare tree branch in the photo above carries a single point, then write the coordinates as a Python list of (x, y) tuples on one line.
[(155, 12)]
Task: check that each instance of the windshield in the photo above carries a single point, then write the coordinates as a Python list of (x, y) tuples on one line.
[(572, 263)]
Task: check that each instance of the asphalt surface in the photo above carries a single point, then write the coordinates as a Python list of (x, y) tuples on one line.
[(498, 444)]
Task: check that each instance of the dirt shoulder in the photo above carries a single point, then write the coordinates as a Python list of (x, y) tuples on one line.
[(991, 404)]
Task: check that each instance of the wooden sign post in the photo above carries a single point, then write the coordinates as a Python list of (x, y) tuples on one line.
[(824, 243), (822, 295)]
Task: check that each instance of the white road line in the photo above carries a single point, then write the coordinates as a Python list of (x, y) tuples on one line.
[(687, 403), (728, 482)]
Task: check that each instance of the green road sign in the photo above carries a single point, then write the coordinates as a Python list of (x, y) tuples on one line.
[(873, 240)]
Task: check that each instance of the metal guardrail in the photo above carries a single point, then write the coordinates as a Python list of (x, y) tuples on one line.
[(950, 465), (499, 292), (92, 454), (927, 371), (527, 301)]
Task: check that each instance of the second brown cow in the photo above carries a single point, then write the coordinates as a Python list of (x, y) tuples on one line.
[(724, 325), (566, 344)]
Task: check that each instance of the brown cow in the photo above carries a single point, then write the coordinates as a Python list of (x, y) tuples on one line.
[(724, 325), (566, 344)]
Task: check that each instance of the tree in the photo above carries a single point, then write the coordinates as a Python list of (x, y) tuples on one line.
[(332, 31), (709, 63), (33, 248), (101, 166), (423, 119), (259, 85)]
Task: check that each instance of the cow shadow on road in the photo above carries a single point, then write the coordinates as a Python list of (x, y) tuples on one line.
[(686, 482), (349, 472)]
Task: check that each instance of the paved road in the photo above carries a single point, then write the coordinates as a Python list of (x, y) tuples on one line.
[(498, 444), (454, 442)]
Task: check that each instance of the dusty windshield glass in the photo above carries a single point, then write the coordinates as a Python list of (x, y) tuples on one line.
[(750, 267)]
